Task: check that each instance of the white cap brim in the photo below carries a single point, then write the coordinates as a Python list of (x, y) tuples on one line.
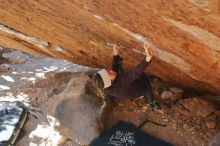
[(105, 77)]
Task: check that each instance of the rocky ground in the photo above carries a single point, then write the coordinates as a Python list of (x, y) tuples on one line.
[(189, 118)]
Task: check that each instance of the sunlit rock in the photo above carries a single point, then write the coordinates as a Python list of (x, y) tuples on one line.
[(1, 48), (15, 57), (4, 68), (211, 122), (79, 111)]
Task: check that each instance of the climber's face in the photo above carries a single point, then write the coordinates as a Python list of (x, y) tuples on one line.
[(112, 74)]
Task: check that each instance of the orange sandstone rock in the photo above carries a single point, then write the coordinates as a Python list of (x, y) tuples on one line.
[(185, 35)]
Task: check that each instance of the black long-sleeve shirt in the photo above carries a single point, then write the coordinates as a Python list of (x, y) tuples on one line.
[(128, 85)]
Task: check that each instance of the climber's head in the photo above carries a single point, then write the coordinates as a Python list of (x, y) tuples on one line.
[(103, 79), (112, 75)]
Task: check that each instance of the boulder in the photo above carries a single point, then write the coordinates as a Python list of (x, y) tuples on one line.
[(79, 112), (1, 48), (198, 106), (210, 122), (178, 93), (179, 108), (15, 57), (166, 95), (177, 30), (173, 94), (4, 68)]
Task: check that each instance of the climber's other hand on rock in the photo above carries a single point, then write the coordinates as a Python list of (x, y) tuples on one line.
[(115, 50), (149, 52)]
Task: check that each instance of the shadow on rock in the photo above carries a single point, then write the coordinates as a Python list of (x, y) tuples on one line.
[(79, 112)]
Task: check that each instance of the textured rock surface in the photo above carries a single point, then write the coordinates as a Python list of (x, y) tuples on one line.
[(211, 122), (4, 68), (1, 48), (198, 106), (173, 94), (79, 112), (185, 34), (15, 57)]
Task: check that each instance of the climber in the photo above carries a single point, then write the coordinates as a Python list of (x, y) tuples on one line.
[(127, 85)]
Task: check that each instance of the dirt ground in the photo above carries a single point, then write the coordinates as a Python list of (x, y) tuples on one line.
[(179, 130)]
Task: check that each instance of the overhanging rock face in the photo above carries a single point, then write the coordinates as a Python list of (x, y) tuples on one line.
[(185, 34)]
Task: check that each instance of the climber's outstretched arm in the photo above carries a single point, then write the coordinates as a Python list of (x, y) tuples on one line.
[(115, 58), (138, 70)]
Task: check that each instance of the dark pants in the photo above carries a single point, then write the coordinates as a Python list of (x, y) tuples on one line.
[(149, 96)]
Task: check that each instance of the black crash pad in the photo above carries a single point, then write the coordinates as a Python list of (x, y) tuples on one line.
[(125, 134)]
